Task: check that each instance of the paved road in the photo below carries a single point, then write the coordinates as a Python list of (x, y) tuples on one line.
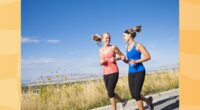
[(171, 103), (168, 100)]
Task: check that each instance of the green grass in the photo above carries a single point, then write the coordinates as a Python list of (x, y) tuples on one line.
[(91, 94)]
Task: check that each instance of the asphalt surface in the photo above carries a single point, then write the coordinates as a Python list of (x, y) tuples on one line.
[(168, 100)]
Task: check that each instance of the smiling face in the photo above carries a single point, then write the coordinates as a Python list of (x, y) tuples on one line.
[(106, 39), (126, 37)]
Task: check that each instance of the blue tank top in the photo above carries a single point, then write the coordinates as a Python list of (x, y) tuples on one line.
[(134, 54)]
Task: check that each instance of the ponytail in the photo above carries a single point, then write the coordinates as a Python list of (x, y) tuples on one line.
[(133, 31), (97, 39), (137, 28)]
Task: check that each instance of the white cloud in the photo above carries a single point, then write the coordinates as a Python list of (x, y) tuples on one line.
[(30, 40), (52, 41), (35, 41), (38, 61)]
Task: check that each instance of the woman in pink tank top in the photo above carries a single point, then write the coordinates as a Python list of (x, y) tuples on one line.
[(109, 65)]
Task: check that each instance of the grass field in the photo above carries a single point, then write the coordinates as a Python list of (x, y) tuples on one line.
[(91, 94)]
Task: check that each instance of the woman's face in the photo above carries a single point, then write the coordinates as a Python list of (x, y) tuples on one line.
[(106, 39), (126, 37)]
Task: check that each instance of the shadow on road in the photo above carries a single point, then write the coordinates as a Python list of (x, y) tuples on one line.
[(171, 106)]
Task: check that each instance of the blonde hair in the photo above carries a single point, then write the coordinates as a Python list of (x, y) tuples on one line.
[(106, 33), (133, 31), (98, 38)]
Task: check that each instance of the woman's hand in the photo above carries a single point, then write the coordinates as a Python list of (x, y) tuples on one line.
[(121, 58), (132, 62), (102, 61), (125, 59)]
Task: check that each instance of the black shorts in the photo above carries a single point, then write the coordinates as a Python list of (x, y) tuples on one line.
[(136, 81), (110, 83)]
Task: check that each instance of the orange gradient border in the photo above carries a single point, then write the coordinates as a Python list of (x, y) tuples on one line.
[(189, 54), (10, 54), (10, 51)]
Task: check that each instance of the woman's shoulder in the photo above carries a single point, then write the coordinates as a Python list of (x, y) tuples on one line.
[(113, 46), (101, 49), (139, 44)]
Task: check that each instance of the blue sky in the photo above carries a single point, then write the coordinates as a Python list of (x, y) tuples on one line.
[(56, 34)]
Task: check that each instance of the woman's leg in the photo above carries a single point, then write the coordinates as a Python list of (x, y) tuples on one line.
[(113, 78), (136, 81), (113, 103), (132, 83), (139, 80), (112, 99)]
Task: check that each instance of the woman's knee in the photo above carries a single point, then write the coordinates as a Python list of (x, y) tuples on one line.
[(111, 94), (136, 96)]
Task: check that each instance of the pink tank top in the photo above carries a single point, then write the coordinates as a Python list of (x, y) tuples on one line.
[(109, 67)]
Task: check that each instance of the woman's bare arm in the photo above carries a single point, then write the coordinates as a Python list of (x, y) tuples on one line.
[(144, 51), (121, 55)]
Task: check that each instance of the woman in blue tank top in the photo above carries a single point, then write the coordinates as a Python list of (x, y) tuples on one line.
[(136, 70)]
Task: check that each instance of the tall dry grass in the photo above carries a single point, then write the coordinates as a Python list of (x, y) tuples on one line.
[(91, 94)]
